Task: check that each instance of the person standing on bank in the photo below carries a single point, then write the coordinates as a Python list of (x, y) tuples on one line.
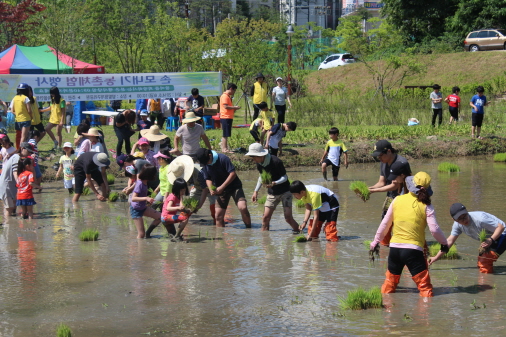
[(279, 98), (155, 111), (277, 191), (57, 116), (437, 105), (259, 92), (123, 128), (478, 101), (227, 111), (22, 108), (453, 101)]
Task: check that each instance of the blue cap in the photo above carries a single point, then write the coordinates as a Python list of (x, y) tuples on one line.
[(23, 86)]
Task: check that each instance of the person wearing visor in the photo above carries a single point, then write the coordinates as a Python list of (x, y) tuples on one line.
[(472, 223), (407, 217)]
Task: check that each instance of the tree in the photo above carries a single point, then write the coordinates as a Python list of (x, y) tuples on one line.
[(16, 21), (473, 14)]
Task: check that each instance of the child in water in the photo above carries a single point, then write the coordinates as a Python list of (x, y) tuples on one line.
[(171, 206), (25, 185), (67, 166)]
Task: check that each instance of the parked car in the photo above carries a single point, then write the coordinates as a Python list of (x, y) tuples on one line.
[(336, 60), (485, 39)]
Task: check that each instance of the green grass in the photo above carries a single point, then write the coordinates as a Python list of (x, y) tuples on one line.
[(113, 196), (86, 191), (448, 167), (300, 204), (300, 238), (451, 255), (262, 200), (360, 299), (190, 204), (63, 331), (89, 235), (110, 178), (483, 235), (266, 177), (500, 157), (361, 190)]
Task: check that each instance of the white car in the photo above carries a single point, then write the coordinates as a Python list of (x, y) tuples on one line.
[(336, 60)]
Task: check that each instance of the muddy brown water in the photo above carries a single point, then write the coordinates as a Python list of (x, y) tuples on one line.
[(236, 281)]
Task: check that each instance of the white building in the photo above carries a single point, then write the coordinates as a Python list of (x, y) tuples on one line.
[(324, 13)]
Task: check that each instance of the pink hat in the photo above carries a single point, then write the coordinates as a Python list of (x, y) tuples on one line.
[(2, 135), (143, 141)]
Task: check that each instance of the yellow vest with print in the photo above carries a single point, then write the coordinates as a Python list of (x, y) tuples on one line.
[(410, 220), (56, 112), (20, 109), (260, 93), (35, 112)]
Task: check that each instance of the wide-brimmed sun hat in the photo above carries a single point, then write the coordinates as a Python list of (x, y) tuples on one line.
[(101, 159), (256, 150), (92, 132), (153, 134), (418, 181), (190, 117), (181, 167)]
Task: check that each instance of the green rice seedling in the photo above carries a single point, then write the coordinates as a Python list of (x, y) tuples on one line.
[(361, 190), (262, 200), (213, 188), (360, 299), (266, 177), (483, 235), (110, 178), (367, 244), (300, 204), (448, 167), (63, 331), (113, 196), (451, 255), (89, 235), (300, 238), (190, 204), (500, 157), (86, 191)]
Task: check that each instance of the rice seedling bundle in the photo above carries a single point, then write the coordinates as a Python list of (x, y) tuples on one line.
[(110, 178), (86, 191), (360, 299), (213, 188), (262, 200), (63, 331), (89, 235), (113, 196), (367, 244), (266, 177), (500, 157), (361, 190), (448, 167), (190, 204), (483, 235), (300, 204), (300, 238), (451, 255)]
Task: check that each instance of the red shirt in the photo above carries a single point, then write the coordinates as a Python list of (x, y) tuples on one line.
[(23, 185), (454, 100)]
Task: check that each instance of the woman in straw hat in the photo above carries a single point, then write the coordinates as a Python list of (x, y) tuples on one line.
[(191, 133), (408, 215), (157, 140), (92, 143)]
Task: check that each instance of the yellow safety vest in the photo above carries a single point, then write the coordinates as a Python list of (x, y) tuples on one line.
[(260, 93), (409, 220), (20, 109)]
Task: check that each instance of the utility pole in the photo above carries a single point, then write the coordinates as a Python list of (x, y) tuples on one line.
[(187, 14)]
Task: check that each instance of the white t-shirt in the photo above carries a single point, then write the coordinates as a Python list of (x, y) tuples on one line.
[(190, 138), (5, 152), (281, 95), (478, 221)]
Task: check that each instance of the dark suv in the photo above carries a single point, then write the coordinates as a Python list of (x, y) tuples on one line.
[(485, 39)]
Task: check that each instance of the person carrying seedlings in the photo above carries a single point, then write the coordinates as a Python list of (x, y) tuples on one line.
[(171, 207), (164, 159), (25, 184), (478, 102), (67, 166), (275, 137), (408, 215), (139, 202), (387, 155), (222, 181), (324, 205), (473, 223), (437, 106), (332, 154), (278, 187), (254, 127), (91, 165), (453, 101)]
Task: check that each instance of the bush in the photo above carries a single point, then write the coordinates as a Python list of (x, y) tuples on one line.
[(361, 299), (452, 253), (500, 157), (89, 235), (361, 190), (448, 167)]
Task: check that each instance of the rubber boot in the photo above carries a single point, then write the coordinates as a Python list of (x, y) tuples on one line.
[(309, 226), (486, 262), (422, 281), (390, 284), (331, 231), (150, 229), (18, 138), (213, 212)]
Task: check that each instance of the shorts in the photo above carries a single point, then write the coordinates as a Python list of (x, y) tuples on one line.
[(224, 198), (412, 258), (173, 218), (9, 202), (500, 245), (39, 127), (68, 183), (38, 174), (273, 151), (335, 169), (285, 199), (477, 119), (136, 213), (26, 202), (329, 216), (226, 126), (454, 112), (80, 178), (20, 125)]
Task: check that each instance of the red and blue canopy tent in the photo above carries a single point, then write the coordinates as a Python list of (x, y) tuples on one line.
[(43, 60)]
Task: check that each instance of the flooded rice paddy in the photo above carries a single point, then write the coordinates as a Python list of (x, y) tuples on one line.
[(236, 281)]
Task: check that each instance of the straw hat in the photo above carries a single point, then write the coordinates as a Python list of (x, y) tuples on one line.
[(92, 132), (190, 117), (181, 167), (153, 134)]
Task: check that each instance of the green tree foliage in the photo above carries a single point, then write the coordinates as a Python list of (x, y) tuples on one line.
[(474, 14)]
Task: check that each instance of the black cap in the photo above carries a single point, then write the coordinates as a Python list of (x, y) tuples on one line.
[(202, 156), (260, 75), (457, 209), (397, 168), (381, 146)]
